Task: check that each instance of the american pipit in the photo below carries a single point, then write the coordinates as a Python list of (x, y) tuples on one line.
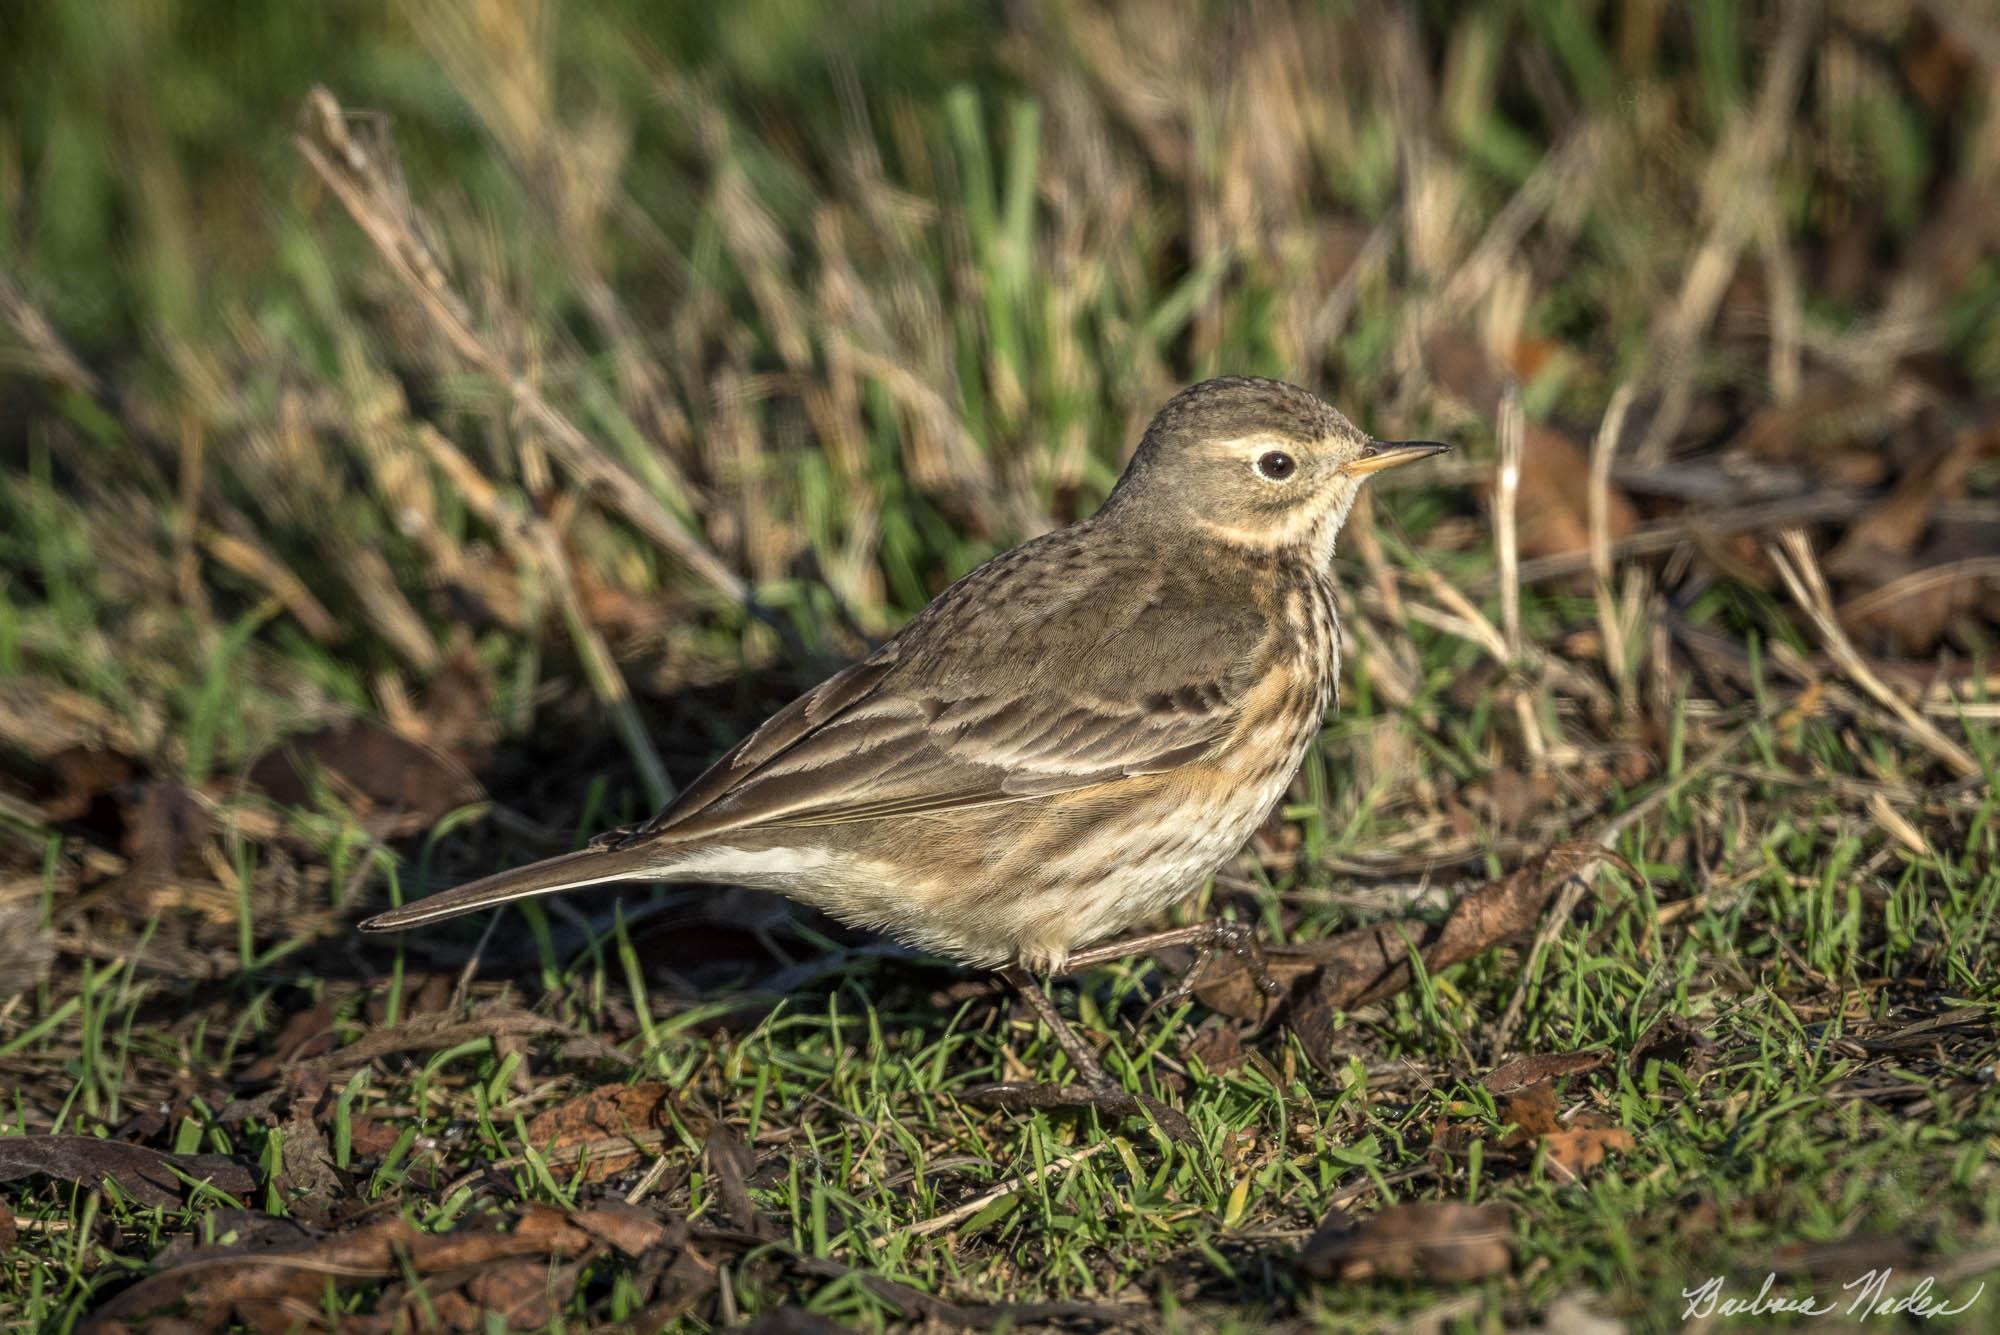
[(1065, 742)]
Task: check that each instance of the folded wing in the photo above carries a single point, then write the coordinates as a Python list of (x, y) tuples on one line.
[(1028, 678)]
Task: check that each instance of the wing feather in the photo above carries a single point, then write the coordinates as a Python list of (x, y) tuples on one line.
[(1015, 684)]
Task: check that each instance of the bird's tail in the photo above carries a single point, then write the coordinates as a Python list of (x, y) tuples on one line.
[(568, 871)]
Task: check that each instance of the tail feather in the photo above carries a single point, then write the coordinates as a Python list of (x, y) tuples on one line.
[(588, 866)]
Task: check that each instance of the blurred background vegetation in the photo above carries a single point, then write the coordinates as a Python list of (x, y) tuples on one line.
[(503, 404), (848, 300)]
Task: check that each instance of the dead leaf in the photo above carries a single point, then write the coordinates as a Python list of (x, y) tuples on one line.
[(1533, 1113), (1553, 506), (10, 1232), (370, 1139), (1219, 1047), (308, 1183), (308, 1033), (215, 1281), (728, 1160), (1672, 1039), (165, 827), (632, 1229), (1509, 797), (1541, 1067), (146, 1175), (1569, 1149), (617, 1123), (86, 778), (1445, 1242), (1892, 526), (394, 786), (517, 1291), (1572, 1153)]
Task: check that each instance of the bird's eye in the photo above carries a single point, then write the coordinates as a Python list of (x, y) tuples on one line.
[(1276, 466)]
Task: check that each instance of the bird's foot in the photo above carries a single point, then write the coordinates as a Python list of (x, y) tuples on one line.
[(1095, 1087), (1239, 940), (1206, 939)]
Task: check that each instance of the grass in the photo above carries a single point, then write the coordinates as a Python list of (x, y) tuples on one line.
[(562, 390)]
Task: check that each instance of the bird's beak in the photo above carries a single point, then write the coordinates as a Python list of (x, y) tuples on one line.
[(1382, 454)]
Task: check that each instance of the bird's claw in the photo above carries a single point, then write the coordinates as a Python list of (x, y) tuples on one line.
[(1242, 942)]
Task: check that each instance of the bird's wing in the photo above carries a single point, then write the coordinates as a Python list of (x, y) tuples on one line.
[(1027, 678)]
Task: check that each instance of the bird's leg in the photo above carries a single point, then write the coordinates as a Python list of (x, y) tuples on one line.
[(1095, 1087), (1239, 939), (1081, 1055)]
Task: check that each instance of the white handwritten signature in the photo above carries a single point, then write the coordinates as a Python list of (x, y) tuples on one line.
[(1870, 1297)]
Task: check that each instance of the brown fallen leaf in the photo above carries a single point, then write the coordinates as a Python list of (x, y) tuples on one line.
[(308, 1033), (516, 1291), (1554, 500), (1446, 1242), (616, 1122), (1672, 1039), (1571, 1153), (148, 1176), (1541, 1067), (1534, 1114), (85, 780), (1892, 526), (1219, 1048), (728, 1161), (370, 1139), (1569, 1149), (632, 1229), (308, 1183), (1553, 504)]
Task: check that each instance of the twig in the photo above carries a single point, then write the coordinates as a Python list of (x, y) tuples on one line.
[(248, 559), (1787, 318)]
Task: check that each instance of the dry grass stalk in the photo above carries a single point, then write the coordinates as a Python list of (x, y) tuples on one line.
[(1734, 197), (1792, 554), (534, 544), (374, 204), (1610, 621), (248, 559), (1506, 534), (1787, 311), (46, 353)]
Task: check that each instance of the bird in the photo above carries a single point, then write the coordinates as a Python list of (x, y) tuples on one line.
[(1064, 743)]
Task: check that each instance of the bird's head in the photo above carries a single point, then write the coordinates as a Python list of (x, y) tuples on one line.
[(1256, 463)]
